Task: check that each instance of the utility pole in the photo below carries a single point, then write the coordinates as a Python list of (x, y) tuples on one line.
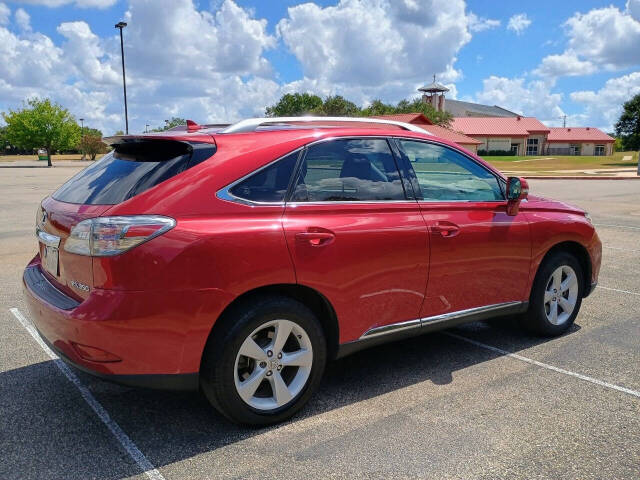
[(120, 26), (564, 121)]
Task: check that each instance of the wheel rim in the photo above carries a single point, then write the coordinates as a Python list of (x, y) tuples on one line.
[(561, 294), (273, 364)]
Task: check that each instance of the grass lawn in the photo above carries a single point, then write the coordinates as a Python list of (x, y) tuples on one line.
[(54, 158), (551, 163)]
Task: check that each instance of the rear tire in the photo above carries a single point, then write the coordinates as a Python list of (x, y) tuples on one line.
[(263, 361), (556, 295)]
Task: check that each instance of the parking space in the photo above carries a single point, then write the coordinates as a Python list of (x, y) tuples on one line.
[(436, 406)]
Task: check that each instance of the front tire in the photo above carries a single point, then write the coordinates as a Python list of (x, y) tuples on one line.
[(556, 295), (263, 361)]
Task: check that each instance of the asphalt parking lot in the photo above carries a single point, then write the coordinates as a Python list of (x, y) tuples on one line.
[(481, 401)]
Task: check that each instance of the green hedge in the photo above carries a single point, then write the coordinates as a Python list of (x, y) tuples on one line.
[(495, 153)]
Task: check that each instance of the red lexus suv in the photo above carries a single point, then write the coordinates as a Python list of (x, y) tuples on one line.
[(238, 260)]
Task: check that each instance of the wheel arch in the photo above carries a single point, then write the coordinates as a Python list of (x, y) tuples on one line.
[(580, 253), (309, 297)]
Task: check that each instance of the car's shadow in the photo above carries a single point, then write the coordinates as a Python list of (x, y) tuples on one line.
[(172, 426)]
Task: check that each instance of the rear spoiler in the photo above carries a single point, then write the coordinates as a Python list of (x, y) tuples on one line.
[(166, 136)]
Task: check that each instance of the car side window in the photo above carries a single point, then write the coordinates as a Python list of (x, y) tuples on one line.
[(269, 184), (444, 174), (348, 170)]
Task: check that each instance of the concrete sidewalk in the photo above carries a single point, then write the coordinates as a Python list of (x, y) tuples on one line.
[(41, 164)]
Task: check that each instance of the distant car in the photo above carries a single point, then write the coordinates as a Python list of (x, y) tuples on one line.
[(239, 260)]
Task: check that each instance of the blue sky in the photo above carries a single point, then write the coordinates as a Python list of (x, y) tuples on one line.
[(222, 60)]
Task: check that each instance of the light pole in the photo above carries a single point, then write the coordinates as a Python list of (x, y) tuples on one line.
[(120, 26), (81, 136), (146, 128)]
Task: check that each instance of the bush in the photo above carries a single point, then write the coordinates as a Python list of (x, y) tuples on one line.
[(495, 153)]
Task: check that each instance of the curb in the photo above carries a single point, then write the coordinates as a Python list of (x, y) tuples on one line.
[(542, 177)]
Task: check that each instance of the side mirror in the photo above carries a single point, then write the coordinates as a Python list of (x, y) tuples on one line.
[(517, 190)]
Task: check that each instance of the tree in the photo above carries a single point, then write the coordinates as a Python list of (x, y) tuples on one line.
[(119, 132), (294, 104), (174, 122), (42, 124), (628, 126), (91, 144), (338, 106)]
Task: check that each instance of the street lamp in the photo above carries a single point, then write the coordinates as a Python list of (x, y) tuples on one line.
[(120, 26), (146, 128), (82, 126)]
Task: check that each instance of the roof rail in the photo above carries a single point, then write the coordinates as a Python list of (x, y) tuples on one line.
[(252, 124)]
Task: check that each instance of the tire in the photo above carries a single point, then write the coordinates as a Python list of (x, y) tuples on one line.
[(248, 349), (559, 269)]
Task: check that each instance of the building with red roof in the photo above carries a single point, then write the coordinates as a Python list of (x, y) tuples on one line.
[(519, 135), (579, 141), (422, 121)]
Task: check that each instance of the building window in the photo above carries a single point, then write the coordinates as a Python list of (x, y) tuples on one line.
[(514, 148), (599, 151), (532, 146), (574, 149)]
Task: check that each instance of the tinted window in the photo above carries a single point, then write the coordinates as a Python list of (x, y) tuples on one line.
[(269, 184), (348, 170), (444, 174), (130, 170)]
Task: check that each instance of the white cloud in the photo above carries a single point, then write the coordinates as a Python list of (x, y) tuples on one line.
[(200, 64), (83, 53), (77, 3), (533, 99), (23, 20), (602, 108), (5, 13), (633, 9), (565, 64), (519, 23), (601, 39), (479, 24), (605, 36), (373, 46)]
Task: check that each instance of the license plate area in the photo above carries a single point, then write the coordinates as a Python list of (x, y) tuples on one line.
[(50, 259)]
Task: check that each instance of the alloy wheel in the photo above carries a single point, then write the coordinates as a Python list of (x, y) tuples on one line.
[(561, 295), (273, 365)]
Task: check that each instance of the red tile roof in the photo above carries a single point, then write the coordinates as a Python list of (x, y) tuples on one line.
[(498, 126), (422, 121), (578, 134)]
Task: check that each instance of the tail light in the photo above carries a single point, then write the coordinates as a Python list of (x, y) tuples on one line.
[(108, 236)]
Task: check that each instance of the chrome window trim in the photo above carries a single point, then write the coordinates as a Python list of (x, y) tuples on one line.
[(498, 178), (421, 322), (225, 194)]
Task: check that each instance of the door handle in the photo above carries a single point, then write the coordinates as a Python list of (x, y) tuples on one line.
[(446, 229), (315, 239)]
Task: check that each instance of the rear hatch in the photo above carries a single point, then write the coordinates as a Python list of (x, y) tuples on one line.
[(135, 165)]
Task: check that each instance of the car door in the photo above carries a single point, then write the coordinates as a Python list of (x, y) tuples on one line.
[(355, 237), (480, 256)]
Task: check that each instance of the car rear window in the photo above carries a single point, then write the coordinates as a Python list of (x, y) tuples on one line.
[(130, 169)]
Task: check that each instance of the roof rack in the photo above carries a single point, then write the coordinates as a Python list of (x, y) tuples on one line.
[(252, 124)]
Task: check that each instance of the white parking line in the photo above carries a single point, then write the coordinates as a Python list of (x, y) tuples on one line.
[(616, 226), (134, 452), (618, 290), (545, 365)]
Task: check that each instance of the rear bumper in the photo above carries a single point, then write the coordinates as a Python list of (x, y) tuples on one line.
[(180, 381), (151, 339)]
